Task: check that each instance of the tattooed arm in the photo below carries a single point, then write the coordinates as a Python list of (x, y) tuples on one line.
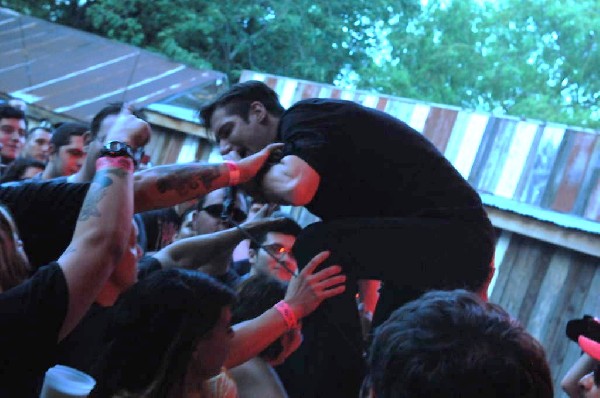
[(165, 186), (100, 237)]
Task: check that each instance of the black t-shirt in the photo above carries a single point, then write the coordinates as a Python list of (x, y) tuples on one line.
[(46, 213), (84, 345), (31, 316), (372, 164), (160, 226), (230, 279)]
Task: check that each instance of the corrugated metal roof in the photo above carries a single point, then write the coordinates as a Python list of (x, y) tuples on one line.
[(76, 73), (560, 219)]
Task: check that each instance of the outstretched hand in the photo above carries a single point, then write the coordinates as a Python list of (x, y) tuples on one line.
[(306, 291)]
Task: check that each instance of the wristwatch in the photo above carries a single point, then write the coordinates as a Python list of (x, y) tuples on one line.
[(117, 148)]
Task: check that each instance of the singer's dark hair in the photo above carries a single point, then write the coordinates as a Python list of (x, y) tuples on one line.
[(238, 98)]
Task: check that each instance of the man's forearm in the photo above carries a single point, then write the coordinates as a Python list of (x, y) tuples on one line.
[(198, 250), (165, 186), (99, 240)]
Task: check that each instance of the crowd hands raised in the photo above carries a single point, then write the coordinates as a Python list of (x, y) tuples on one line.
[(177, 308), (164, 282)]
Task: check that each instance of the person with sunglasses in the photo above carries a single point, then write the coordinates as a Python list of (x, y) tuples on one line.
[(271, 252), (208, 221)]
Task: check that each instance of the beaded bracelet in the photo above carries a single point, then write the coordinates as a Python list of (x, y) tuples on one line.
[(121, 162), (288, 315), (234, 172)]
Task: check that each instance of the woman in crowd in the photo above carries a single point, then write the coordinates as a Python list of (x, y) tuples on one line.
[(171, 332), (14, 267)]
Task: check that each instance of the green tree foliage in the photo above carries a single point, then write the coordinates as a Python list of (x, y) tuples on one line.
[(530, 58)]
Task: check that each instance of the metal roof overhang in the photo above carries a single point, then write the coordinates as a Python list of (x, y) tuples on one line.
[(75, 73)]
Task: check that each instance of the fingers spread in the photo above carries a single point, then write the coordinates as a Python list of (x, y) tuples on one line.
[(315, 262), (327, 272), (333, 281), (333, 292)]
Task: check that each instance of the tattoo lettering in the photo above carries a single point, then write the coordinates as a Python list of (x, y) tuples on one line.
[(97, 191), (185, 179)]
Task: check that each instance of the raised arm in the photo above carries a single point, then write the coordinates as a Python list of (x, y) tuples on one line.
[(304, 294), (168, 185), (570, 382), (102, 228), (197, 250)]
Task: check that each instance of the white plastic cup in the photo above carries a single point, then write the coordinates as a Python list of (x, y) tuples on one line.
[(65, 382)]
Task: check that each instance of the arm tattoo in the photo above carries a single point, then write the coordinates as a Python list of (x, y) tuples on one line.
[(97, 191), (184, 179)]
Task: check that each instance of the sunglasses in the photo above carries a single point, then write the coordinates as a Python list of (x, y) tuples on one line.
[(216, 210), (278, 251)]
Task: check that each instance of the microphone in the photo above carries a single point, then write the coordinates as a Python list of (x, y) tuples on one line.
[(228, 203)]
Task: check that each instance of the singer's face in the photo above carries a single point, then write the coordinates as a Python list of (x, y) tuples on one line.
[(237, 136)]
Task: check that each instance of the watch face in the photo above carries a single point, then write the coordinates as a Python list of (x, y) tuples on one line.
[(115, 145)]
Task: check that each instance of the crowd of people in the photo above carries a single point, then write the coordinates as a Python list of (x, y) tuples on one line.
[(127, 272)]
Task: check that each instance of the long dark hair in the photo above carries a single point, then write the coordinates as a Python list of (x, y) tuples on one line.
[(14, 267), (154, 330)]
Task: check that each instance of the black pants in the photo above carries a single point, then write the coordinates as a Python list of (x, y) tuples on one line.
[(410, 256)]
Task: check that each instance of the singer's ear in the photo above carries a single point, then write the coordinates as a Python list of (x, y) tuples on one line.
[(258, 110)]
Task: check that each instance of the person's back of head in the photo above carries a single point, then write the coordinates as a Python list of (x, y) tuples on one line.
[(112, 109), (238, 99), (452, 344), (154, 329)]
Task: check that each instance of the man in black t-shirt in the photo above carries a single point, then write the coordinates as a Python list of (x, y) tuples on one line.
[(37, 314), (46, 211), (394, 209)]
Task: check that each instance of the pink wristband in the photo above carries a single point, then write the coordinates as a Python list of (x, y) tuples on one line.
[(288, 315), (121, 162), (234, 172)]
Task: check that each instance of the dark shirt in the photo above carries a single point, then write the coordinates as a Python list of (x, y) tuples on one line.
[(46, 213), (230, 279), (371, 164), (31, 316), (160, 227), (84, 345)]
